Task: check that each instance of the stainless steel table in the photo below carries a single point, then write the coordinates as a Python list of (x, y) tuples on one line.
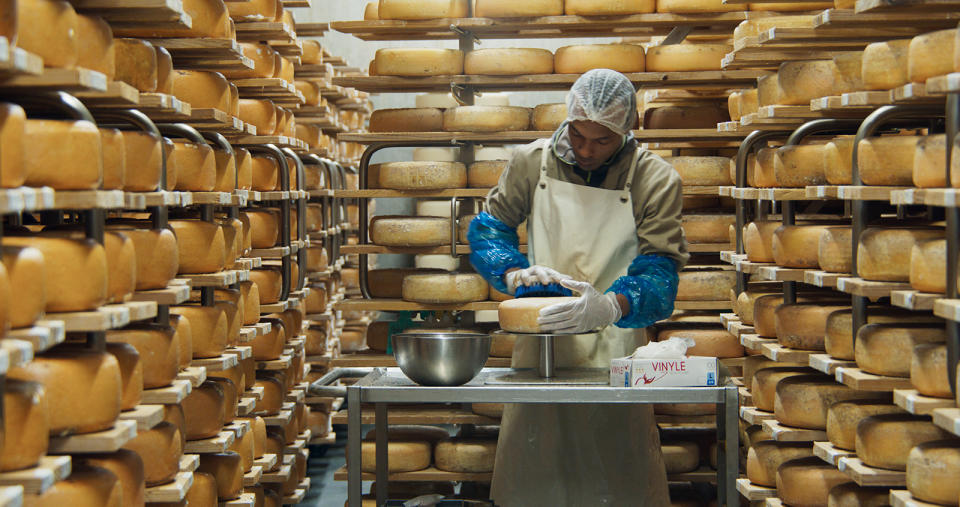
[(498, 385)]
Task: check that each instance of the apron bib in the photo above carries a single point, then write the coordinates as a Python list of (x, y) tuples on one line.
[(580, 454)]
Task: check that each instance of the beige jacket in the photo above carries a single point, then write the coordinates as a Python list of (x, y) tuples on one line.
[(657, 195)]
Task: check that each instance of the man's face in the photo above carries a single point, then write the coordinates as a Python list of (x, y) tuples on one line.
[(592, 143)]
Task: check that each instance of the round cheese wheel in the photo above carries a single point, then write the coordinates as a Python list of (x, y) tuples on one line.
[(312, 52), (838, 160), (508, 62), (885, 64), (928, 370), (131, 374), (684, 117), (269, 284), (932, 471), (844, 416), (768, 90), (763, 387), (196, 166), (422, 175), (310, 91), (925, 55), (797, 246), (802, 401), (264, 174), (848, 72), (549, 116), (391, 230), (202, 89), (928, 261), (269, 346), (799, 166), (807, 481), (886, 349), (766, 456), (156, 252), (264, 227), (753, 27), (686, 57), (201, 246), (485, 174), (86, 485), (707, 228), (114, 159), (714, 285), (264, 63), (581, 58), (507, 9), (764, 169), (259, 113), (203, 411), (608, 8), (737, 104), (680, 457), (466, 455), (420, 9), (136, 64), (418, 62), (128, 467), (884, 441), (58, 144), (758, 240), (764, 316), (227, 470), (210, 19), (272, 400), (928, 161), (693, 6), (406, 120), (58, 42), (25, 424), (250, 294), (453, 288), (25, 267), (887, 160), (708, 342), (401, 456), (158, 351), (745, 302), (183, 335), (233, 240), (209, 328), (799, 82), (145, 148), (486, 119), (751, 364), (12, 164), (839, 338), (702, 170), (387, 283), (884, 253), (520, 315), (835, 250), (502, 345), (803, 325)]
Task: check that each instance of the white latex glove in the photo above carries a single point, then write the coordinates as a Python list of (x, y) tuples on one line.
[(532, 275), (592, 310)]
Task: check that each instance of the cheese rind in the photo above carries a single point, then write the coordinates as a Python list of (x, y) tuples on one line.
[(702, 170), (208, 326), (466, 456), (932, 471), (758, 240), (686, 57), (807, 481), (799, 166), (887, 160), (520, 315), (582, 58), (843, 418), (57, 144), (693, 6), (886, 349), (25, 425), (391, 230), (486, 119), (418, 62), (884, 253), (838, 160), (445, 288), (884, 441), (925, 56), (508, 62), (707, 342), (608, 7), (485, 174), (422, 175), (885, 64), (58, 42), (707, 228), (549, 116), (136, 64), (928, 370), (797, 246), (203, 411), (407, 120), (803, 401), (766, 456), (803, 325), (510, 9), (76, 271), (705, 285), (835, 250)]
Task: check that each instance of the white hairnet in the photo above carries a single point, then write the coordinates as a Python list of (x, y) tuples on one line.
[(603, 96)]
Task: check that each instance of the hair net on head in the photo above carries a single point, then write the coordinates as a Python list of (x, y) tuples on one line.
[(603, 96)]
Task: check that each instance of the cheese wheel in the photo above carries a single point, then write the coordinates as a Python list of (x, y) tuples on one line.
[(548, 116), (520, 315), (764, 169), (418, 62), (693, 6), (803, 325), (886, 349), (401, 456), (146, 149), (807, 481), (839, 338), (58, 144), (884, 253), (802, 401), (445, 288), (272, 400), (758, 240), (763, 387), (745, 302), (284, 69), (486, 119), (264, 62), (58, 41), (579, 59), (742, 103), (210, 19), (928, 370), (507, 9), (387, 283), (768, 90), (885, 64), (201, 246), (928, 161), (753, 27), (705, 285), (885, 440), (766, 456), (608, 8), (797, 246), (269, 346), (127, 466), (131, 374), (799, 166), (466, 456), (227, 470), (202, 89), (312, 52), (208, 326), (791, 6), (203, 411), (843, 418), (926, 55), (86, 485), (686, 57), (230, 398), (183, 335), (684, 117), (158, 352), (931, 471), (310, 91), (261, 114), (799, 82), (136, 64), (835, 250), (243, 446), (680, 457), (25, 267), (25, 424), (887, 160), (196, 166), (838, 160), (264, 227), (848, 72), (391, 230), (76, 271), (485, 174), (702, 170), (265, 174), (12, 129), (422, 175), (764, 316), (418, 9), (406, 120), (707, 342), (97, 51), (707, 228), (268, 281), (508, 62)]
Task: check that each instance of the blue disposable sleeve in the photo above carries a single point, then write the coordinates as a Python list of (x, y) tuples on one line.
[(495, 248), (651, 287)]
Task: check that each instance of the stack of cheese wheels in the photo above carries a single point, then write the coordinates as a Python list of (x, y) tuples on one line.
[(802, 401), (931, 470), (741, 103), (626, 58), (887, 160), (705, 227), (508, 62), (884, 253), (803, 325), (508, 9), (520, 315), (839, 338), (686, 57), (444, 288), (705, 285), (709, 341), (409, 448), (887, 349), (885, 64)]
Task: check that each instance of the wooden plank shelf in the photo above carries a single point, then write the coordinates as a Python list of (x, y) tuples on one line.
[(823, 278), (309, 29), (863, 381), (193, 374), (146, 416), (205, 53), (918, 404), (171, 492), (868, 288), (56, 79), (906, 5), (17, 352), (281, 475), (914, 300), (775, 351), (753, 492), (15, 61), (282, 363), (244, 500), (220, 363), (164, 108), (949, 83), (246, 406), (219, 443), (43, 335), (947, 308), (824, 191), (242, 352), (172, 295), (298, 494), (903, 498), (117, 95), (865, 475), (948, 419), (189, 462), (867, 193), (256, 31), (783, 433), (754, 415), (779, 274), (421, 415), (645, 135), (167, 395), (109, 440), (217, 121), (266, 462), (945, 197), (221, 279), (429, 474), (829, 365), (755, 342), (40, 478), (279, 141), (280, 419), (252, 478), (275, 89), (830, 453)]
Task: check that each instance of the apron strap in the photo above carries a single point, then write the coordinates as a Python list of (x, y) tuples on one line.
[(625, 197)]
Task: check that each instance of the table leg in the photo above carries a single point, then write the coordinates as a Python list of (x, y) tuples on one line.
[(380, 425), (354, 429), (728, 461)]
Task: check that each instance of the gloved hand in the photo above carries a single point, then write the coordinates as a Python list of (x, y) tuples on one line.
[(532, 275), (592, 310)]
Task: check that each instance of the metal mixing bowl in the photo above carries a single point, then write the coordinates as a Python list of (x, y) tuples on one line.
[(441, 359)]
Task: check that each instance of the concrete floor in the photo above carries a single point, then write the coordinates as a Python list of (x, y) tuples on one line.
[(323, 462)]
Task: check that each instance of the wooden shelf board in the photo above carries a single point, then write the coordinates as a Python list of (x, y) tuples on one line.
[(167, 395), (830, 453), (948, 419), (18, 352), (945, 197), (40, 478), (282, 363), (755, 342), (914, 300), (865, 475), (219, 443), (949, 83), (775, 351), (754, 415), (146, 416), (823, 278), (783, 433), (172, 295), (280, 476), (220, 363), (252, 478), (918, 404), (171, 492), (43, 335), (779, 274), (829, 365), (863, 381), (298, 494), (108, 440), (868, 288), (753, 492), (189, 462), (903, 498), (867, 193), (947, 308), (651, 135), (193, 374), (57, 79), (221, 279)]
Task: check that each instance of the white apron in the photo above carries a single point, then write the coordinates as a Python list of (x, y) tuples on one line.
[(580, 454)]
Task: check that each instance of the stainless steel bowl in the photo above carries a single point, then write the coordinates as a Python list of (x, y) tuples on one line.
[(441, 359)]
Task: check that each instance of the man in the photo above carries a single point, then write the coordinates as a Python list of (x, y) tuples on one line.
[(602, 215)]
